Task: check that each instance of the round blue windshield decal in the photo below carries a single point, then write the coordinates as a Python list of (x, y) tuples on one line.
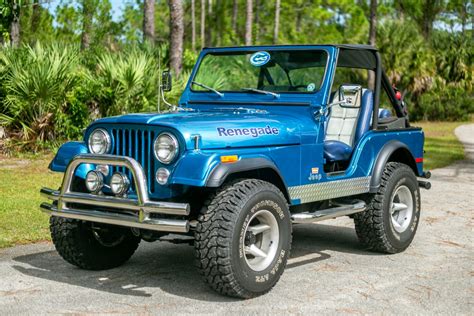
[(260, 58)]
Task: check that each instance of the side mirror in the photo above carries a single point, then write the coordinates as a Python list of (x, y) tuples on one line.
[(166, 81), (350, 96)]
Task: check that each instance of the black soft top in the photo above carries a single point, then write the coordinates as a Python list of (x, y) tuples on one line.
[(350, 55)]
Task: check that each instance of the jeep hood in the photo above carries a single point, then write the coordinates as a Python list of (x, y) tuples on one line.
[(222, 128)]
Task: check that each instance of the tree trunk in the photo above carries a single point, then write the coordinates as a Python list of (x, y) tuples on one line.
[(463, 16), (431, 10), (299, 18), (220, 10), (35, 16), (248, 23), (193, 25), (149, 21), (15, 26), (277, 22), (87, 14), (209, 29), (235, 13), (176, 35), (203, 23), (372, 36), (257, 21)]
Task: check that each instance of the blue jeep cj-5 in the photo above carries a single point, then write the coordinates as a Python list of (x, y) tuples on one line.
[(263, 138)]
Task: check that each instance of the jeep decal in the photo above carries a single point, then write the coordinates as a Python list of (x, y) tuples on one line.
[(253, 131)]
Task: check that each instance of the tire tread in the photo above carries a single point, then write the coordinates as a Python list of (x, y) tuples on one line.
[(214, 233)]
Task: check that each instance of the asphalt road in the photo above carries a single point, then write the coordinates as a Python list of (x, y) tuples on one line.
[(329, 272)]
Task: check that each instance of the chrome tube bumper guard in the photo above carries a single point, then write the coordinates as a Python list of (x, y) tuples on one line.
[(130, 212)]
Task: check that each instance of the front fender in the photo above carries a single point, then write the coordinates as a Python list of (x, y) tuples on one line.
[(199, 168), (66, 153)]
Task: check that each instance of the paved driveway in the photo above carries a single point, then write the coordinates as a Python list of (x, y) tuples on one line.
[(329, 272)]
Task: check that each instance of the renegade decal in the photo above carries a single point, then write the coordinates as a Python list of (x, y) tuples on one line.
[(259, 59), (254, 131)]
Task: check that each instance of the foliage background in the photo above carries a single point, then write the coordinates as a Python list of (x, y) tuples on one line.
[(50, 88)]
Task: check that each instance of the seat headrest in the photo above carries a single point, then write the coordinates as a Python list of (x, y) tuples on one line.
[(384, 113)]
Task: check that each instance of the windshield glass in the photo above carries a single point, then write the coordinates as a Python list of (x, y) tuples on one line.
[(274, 71)]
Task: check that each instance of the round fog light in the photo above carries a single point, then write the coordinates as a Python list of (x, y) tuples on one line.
[(104, 169), (119, 183), (162, 175), (94, 181)]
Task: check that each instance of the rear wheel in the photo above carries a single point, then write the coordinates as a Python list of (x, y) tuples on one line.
[(243, 238), (92, 246), (389, 224)]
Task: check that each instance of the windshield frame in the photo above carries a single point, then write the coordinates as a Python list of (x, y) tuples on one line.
[(252, 50)]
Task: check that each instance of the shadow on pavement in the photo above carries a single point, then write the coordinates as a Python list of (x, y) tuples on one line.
[(170, 267)]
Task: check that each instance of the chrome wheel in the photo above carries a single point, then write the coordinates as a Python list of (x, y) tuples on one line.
[(261, 240), (401, 209)]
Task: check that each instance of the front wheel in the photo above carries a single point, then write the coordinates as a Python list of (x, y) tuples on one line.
[(243, 238), (92, 246), (389, 224)]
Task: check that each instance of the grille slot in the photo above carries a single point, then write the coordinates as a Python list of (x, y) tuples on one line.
[(136, 143)]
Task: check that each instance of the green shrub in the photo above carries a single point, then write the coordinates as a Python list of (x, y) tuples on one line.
[(445, 103), (36, 81), (125, 83)]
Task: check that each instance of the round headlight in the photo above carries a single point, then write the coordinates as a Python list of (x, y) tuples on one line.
[(119, 183), (99, 141), (166, 148), (94, 181)]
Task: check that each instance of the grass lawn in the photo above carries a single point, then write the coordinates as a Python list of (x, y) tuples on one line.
[(21, 221), (441, 145)]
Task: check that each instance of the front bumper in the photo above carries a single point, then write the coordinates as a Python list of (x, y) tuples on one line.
[(138, 213)]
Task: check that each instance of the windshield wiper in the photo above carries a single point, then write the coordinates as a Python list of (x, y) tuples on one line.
[(275, 95), (208, 88)]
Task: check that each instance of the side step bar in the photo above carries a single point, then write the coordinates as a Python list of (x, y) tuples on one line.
[(320, 215)]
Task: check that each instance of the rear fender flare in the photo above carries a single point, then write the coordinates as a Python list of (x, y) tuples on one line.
[(383, 157)]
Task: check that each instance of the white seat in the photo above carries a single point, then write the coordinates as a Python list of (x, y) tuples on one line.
[(342, 121)]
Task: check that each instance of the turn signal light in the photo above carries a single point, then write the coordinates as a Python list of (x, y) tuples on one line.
[(228, 159)]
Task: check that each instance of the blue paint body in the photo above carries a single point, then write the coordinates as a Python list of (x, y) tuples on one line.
[(296, 149)]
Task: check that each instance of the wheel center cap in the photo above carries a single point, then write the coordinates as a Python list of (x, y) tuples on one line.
[(250, 238)]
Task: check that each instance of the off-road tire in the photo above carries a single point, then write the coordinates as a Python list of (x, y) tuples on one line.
[(75, 242), (374, 226), (218, 238)]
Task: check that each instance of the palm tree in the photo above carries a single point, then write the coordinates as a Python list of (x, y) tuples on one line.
[(193, 25), (257, 21), (424, 12), (203, 23), (87, 15), (248, 23), (15, 25), (36, 15), (372, 36), (235, 12), (209, 29), (149, 20), (277, 22), (176, 35)]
